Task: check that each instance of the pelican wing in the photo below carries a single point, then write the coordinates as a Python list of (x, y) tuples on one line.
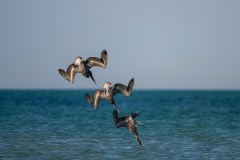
[(119, 121), (94, 61), (121, 88), (136, 114), (97, 95), (71, 71)]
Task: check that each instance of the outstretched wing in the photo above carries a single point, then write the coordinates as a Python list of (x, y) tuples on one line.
[(99, 62), (136, 114), (119, 121)]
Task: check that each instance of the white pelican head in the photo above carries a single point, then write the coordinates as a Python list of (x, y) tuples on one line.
[(106, 85), (78, 61)]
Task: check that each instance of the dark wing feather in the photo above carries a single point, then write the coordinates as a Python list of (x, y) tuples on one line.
[(119, 121), (136, 114)]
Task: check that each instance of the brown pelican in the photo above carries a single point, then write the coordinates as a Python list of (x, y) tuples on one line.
[(128, 122), (109, 93), (83, 67)]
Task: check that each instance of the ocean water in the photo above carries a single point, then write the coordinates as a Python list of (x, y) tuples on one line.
[(59, 124)]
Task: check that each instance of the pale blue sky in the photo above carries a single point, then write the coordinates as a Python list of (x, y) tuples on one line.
[(185, 44)]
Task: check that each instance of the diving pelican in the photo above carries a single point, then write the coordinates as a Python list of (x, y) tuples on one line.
[(83, 67), (109, 93), (128, 122)]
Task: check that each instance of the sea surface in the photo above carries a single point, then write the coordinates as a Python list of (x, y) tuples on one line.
[(177, 124)]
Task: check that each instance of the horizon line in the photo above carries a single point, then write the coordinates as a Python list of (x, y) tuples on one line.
[(138, 89)]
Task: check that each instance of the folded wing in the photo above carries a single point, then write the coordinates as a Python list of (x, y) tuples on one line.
[(121, 88), (97, 95), (70, 73), (119, 121), (98, 62)]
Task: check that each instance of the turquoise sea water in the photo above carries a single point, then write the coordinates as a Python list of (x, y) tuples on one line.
[(59, 124)]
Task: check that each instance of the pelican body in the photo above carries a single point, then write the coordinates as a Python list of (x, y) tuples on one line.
[(109, 93), (128, 122), (83, 67)]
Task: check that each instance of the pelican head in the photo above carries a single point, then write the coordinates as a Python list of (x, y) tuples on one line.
[(131, 116), (78, 61), (106, 85), (130, 119)]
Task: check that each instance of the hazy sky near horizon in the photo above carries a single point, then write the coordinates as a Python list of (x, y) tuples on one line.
[(185, 44)]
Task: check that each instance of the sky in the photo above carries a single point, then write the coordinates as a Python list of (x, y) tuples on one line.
[(162, 44)]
